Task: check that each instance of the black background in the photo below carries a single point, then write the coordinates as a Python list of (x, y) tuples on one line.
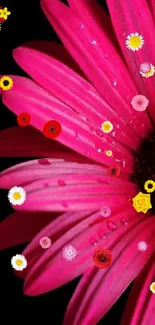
[(27, 22)]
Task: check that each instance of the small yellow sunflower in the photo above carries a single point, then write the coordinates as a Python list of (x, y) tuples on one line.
[(6, 83), (149, 186)]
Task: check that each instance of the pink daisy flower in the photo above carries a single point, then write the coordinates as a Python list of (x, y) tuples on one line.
[(45, 242), (79, 94), (139, 103)]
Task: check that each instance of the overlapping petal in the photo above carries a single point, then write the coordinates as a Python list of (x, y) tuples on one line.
[(80, 234), (136, 18), (76, 132), (98, 290), (140, 305), (109, 76), (75, 91), (56, 185), (19, 228), (62, 172)]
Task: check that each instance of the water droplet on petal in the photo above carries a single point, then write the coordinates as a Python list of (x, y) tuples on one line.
[(114, 83), (43, 161), (113, 134), (113, 144), (92, 241), (123, 221), (94, 42), (82, 26), (77, 136), (61, 182), (117, 126), (106, 55), (124, 163), (88, 153), (101, 234), (99, 150), (83, 117), (111, 225), (99, 132)]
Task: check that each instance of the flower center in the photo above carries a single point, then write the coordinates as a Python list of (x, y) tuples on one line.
[(19, 262), (16, 196), (5, 83), (144, 168), (135, 41)]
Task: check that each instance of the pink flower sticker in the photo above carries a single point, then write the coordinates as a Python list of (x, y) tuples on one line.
[(145, 67), (105, 212), (45, 242), (139, 103)]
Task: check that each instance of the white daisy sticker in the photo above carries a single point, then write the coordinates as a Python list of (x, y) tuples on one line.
[(19, 262), (134, 41), (17, 195)]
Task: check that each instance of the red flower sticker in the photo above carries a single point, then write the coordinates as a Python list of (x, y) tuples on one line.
[(2, 20), (52, 129), (102, 258), (24, 119), (113, 171)]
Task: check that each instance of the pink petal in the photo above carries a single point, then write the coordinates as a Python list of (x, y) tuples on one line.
[(124, 27), (61, 186), (73, 90), (24, 142), (140, 305), (109, 76), (76, 133), (91, 12), (55, 50), (19, 228), (99, 289), (58, 170), (80, 235), (54, 231)]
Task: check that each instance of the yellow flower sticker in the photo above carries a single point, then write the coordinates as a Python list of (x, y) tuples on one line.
[(142, 202), (149, 186), (4, 13)]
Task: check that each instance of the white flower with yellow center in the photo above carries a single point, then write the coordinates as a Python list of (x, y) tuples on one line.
[(134, 41), (19, 262), (17, 195)]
